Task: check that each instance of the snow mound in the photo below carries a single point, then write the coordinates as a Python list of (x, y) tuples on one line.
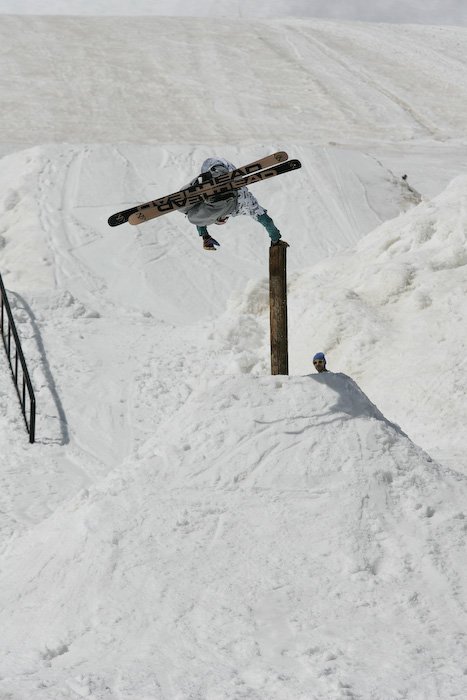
[(241, 432), (392, 313), (389, 311), (264, 534)]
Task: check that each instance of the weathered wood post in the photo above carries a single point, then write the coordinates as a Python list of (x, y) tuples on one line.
[(278, 309)]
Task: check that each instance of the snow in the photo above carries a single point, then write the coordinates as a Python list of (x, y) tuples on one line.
[(435, 12), (187, 526), (211, 570), (289, 81)]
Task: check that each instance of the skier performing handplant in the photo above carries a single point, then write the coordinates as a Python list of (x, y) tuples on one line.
[(219, 208), (218, 193)]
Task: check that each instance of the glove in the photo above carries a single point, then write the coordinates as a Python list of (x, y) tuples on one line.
[(281, 243), (209, 242)]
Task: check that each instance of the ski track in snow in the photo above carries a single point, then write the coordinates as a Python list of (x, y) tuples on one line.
[(371, 84), (351, 82)]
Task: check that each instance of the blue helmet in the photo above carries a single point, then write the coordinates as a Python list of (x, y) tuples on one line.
[(319, 356)]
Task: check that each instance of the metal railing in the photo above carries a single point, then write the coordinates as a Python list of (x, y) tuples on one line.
[(19, 371)]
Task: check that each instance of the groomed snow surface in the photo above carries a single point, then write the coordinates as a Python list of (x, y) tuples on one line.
[(188, 527)]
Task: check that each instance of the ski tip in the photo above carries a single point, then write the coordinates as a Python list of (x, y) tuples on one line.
[(281, 156), (116, 220)]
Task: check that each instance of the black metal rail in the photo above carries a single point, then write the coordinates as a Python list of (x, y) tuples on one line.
[(19, 370)]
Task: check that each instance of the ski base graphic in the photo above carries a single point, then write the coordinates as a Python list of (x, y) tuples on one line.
[(206, 185)]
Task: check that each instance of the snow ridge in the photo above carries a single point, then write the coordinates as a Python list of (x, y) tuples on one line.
[(273, 527)]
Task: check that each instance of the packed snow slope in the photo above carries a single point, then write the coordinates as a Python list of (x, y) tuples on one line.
[(275, 538), (217, 81)]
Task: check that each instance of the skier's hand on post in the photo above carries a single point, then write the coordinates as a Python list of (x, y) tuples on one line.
[(280, 243)]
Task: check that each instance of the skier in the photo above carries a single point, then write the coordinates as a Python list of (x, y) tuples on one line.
[(221, 207), (319, 362)]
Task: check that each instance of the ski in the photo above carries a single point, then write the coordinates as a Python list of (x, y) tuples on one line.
[(255, 166), (204, 182), (218, 188)]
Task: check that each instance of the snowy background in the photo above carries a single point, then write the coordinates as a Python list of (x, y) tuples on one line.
[(188, 527), (445, 12)]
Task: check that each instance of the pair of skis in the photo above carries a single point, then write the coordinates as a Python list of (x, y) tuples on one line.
[(206, 187)]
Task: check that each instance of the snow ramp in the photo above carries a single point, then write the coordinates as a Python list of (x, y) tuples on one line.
[(392, 312), (276, 538)]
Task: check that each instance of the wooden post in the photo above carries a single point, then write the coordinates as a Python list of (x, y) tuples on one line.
[(278, 309)]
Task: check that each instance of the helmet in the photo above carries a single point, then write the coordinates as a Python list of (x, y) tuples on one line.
[(319, 356)]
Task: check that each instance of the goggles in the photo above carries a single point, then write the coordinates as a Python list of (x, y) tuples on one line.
[(318, 362)]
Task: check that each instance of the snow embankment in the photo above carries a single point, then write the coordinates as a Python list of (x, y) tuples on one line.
[(390, 312), (264, 538)]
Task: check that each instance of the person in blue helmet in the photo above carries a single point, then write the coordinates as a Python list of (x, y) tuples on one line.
[(319, 362), (219, 210)]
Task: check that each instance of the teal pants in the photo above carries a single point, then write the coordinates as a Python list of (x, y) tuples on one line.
[(264, 219)]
